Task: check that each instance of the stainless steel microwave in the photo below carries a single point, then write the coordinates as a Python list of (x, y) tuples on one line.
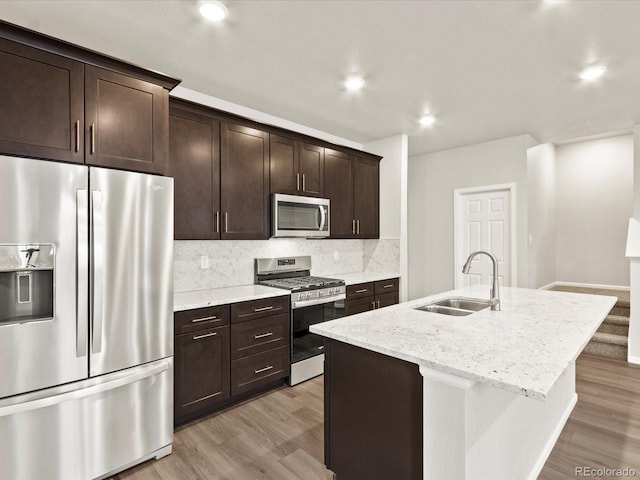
[(294, 216)]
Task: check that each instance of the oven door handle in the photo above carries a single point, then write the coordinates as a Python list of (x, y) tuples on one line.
[(317, 301)]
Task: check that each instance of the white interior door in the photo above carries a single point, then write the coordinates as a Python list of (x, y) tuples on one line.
[(484, 223)]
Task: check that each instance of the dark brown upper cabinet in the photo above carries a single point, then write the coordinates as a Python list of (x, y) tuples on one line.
[(63, 102), (338, 174), (352, 185), (126, 122), (366, 197), (297, 168), (194, 164), (42, 104), (244, 188)]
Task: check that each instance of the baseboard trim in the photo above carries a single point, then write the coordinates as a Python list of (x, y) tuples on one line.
[(633, 359), (544, 455), (590, 285), (548, 286)]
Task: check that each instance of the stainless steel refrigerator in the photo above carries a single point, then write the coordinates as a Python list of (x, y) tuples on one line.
[(86, 328)]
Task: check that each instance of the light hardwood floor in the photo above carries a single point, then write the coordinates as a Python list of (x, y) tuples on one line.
[(279, 435)]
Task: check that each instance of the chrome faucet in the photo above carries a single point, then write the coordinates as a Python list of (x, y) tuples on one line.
[(495, 292)]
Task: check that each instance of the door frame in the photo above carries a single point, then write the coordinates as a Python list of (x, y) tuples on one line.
[(458, 195)]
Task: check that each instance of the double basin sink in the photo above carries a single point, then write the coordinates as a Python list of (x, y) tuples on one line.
[(456, 306)]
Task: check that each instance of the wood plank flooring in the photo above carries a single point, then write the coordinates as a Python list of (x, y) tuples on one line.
[(603, 430), (279, 435)]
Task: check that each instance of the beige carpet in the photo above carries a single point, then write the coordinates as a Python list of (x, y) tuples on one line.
[(612, 338)]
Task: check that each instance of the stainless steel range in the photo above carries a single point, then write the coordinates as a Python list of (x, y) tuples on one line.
[(313, 300)]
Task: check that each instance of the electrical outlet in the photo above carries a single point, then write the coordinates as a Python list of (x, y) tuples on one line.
[(336, 255), (204, 262)]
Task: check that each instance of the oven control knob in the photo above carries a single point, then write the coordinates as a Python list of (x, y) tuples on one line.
[(320, 293)]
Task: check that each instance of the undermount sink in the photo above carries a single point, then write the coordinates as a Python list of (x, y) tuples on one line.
[(456, 306)]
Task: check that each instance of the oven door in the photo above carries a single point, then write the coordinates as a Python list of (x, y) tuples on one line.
[(305, 344)]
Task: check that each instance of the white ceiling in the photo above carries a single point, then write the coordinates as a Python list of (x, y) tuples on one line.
[(486, 69)]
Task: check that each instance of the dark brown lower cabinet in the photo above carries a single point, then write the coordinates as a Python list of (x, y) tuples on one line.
[(225, 354), (373, 415), (363, 297), (202, 371)]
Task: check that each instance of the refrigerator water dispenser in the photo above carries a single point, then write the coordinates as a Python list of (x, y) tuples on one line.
[(26, 283)]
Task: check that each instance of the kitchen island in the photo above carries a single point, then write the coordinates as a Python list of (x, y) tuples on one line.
[(496, 386)]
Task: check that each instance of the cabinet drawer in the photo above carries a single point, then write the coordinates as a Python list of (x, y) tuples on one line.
[(359, 305), (198, 319), (254, 371), (386, 286), (255, 336), (244, 311), (360, 290)]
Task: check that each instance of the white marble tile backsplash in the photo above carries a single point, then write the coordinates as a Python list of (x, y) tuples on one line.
[(232, 262)]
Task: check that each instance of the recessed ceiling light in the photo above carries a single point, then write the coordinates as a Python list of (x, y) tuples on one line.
[(354, 83), (593, 72), (427, 120), (213, 10)]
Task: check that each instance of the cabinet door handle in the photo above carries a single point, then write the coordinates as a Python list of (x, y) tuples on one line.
[(92, 129), (357, 227), (217, 221), (304, 187), (77, 135), (212, 334), (263, 335), (260, 370), (378, 303), (297, 181), (362, 290), (263, 309), (373, 305), (203, 319), (226, 222), (353, 227)]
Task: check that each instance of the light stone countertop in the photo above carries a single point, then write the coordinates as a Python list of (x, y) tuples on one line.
[(524, 348), (363, 277), (222, 296)]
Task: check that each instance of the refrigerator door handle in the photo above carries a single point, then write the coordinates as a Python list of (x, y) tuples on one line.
[(97, 290), (82, 271), (120, 379)]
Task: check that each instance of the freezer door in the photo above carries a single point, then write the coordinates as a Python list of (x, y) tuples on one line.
[(43, 274), (90, 428), (131, 279)]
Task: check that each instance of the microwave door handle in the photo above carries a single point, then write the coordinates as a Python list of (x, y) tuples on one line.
[(323, 217)]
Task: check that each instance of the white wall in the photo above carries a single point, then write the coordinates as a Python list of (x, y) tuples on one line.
[(432, 179), (593, 204), (393, 200), (541, 206)]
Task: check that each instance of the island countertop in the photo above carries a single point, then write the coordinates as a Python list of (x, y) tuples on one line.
[(524, 348)]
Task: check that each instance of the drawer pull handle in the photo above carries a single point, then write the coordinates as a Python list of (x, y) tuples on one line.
[(212, 334), (388, 286), (203, 319), (260, 370), (263, 335), (321, 347), (263, 309), (362, 290)]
